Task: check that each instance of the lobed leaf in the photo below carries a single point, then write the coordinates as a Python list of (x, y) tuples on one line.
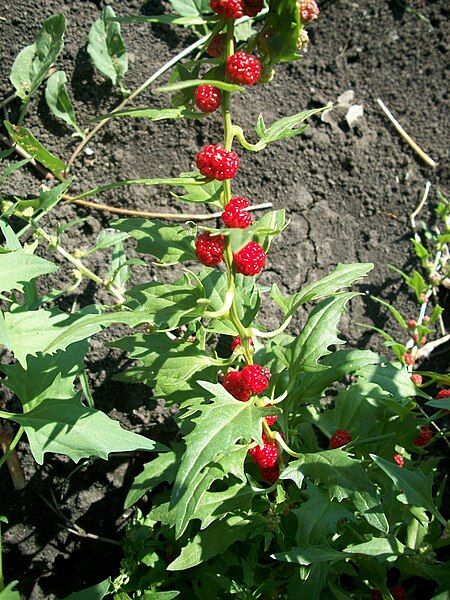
[(17, 268)]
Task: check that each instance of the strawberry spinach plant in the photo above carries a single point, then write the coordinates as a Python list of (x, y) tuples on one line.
[(301, 468)]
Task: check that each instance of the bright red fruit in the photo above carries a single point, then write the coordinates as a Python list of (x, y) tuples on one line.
[(243, 68), (399, 460), (233, 383), (214, 162), (412, 323), (271, 474), (207, 98), (425, 436), (267, 456), (443, 394), (230, 9), (256, 378), (250, 260), (209, 249), (234, 214), (409, 359), (272, 419), (340, 438)]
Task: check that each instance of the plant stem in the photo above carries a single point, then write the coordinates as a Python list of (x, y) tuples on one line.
[(10, 456), (23, 111)]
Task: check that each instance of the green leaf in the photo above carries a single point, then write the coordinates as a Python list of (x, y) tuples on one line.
[(33, 62), (264, 230), (106, 239), (164, 19), (394, 312), (9, 593), (45, 376), (284, 128), (106, 47), (284, 26), (26, 140), (218, 427), (96, 592), (58, 99), (169, 244), (318, 334), (212, 541), (17, 268), (393, 379), (317, 517), (415, 486), (66, 426), (191, 7), (209, 192), (167, 366), (155, 114), (382, 549), (343, 276), (162, 469), (310, 555), (345, 478), (182, 85)]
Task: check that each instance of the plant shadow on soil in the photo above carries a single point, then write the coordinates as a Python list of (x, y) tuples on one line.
[(348, 193)]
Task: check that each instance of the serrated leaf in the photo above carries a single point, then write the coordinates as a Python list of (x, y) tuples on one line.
[(26, 140), (161, 469), (106, 47), (414, 485), (318, 334), (317, 517), (17, 268), (58, 99), (168, 366), (209, 192), (382, 549), (65, 426), (395, 380), (218, 427), (191, 7), (345, 478), (33, 62), (212, 541), (264, 230), (45, 376), (343, 276), (284, 128), (169, 244)]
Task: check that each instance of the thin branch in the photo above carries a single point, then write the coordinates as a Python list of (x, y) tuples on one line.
[(421, 204), (426, 350), (155, 215), (8, 100), (423, 155)]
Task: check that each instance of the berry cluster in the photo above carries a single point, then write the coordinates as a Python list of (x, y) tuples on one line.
[(398, 458), (308, 10), (207, 98), (341, 437), (250, 260), (235, 215), (424, 437), (214, 162), (209, 249), (244, 68), (237, 342), (235, 9), (265, 456), (252, 379), (416, 378)]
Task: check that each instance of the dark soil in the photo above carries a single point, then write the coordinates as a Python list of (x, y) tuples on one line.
[(348, 192)]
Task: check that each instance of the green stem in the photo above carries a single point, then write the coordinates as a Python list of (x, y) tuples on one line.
[(13, 443), (271, 334), (442, 543), (23, 111)]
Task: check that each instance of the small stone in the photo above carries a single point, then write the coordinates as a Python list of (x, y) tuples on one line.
[(346, 99), (354, 113)]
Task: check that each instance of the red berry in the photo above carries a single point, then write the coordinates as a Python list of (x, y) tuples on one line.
[(415, 337), (234, 214), (209, 249), (409, 359), (443, 394), (237, 342), (216, 46), (272, 419), (412, 324), (233, 383), (256, 378), (207, 98), (267, 456), (423, 341), (252, 7), (230, 9), (244, 68), (308, 10), (270, 474), (377, 595), (214, 162), (416, 379), (250, 260), (425, 436), (399, 460), (398, 592), (340, 438)]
